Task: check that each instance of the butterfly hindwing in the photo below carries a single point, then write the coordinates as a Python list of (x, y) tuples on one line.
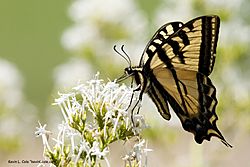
[(157, 94), (194, 104)]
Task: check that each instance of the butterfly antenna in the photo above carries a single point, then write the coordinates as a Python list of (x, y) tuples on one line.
[(127, 60), (122, 48)]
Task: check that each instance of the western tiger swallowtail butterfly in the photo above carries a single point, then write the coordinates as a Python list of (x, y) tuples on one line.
[(174, 70)]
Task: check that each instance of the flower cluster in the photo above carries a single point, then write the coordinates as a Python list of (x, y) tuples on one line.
[(95, 115)]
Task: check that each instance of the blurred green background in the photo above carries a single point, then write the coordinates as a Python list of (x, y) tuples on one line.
[(48, 46), (30, 39)]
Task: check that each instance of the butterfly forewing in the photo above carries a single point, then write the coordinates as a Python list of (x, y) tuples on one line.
[(191, 47), (162, 34)]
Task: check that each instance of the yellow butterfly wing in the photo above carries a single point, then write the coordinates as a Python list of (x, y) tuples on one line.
[(178, 66)]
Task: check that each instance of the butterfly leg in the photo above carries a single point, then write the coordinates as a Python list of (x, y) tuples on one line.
[(131, 85), (136, 104)]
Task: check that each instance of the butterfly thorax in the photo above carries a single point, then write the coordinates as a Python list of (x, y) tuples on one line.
[(139, 75)]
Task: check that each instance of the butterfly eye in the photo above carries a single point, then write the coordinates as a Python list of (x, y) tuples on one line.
[(126, 70)]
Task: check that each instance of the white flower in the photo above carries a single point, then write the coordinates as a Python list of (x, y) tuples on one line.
[(138, 154), (96, 150), (95, 115), (72, 134), (61, 103), (84, 146), (61, 136), (139, 123), (41, 131), (63, 98)]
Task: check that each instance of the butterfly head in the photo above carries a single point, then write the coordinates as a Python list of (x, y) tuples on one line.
[(129, 71)]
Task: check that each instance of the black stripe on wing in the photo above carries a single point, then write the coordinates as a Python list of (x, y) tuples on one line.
[(210, 31), (156, 93)]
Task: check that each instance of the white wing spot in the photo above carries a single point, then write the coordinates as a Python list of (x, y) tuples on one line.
[(152, 48), (157, 41), (163, 33), (170, 29)]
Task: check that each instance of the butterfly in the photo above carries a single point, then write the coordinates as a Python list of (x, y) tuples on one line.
[(174, 70)]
